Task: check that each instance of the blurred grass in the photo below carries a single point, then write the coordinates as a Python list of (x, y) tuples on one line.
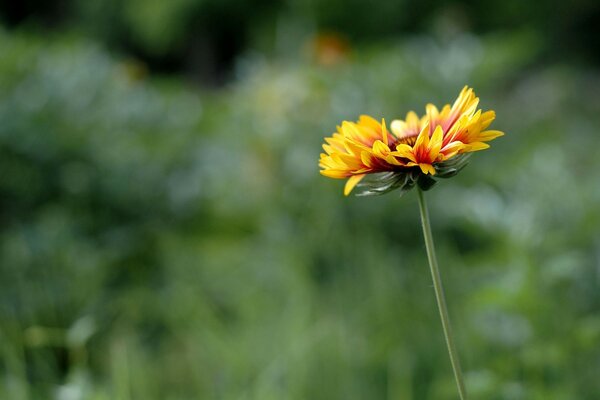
[(161, 242)]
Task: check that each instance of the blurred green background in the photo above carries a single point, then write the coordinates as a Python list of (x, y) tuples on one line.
[(165, 233)]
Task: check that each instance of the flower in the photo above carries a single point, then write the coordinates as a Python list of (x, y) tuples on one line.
[(413, 151)]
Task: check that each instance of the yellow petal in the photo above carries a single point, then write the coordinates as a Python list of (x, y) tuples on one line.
[(351, 183), (332, 173), (351, 161), (404, 151), (384, 132), (490, 135), (350, 130), (412, 118), (431, 110), (423, 138), (465, 94), (390, 159), (398, 128), (335, 142), (471, 106), (354, 147), (369, 121), (451, 149), (475, 146), (380, 149), (427, 168), (487, 118), (365, 157), (435, 143)]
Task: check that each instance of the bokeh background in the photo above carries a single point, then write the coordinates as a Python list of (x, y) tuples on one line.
[(165, 233)]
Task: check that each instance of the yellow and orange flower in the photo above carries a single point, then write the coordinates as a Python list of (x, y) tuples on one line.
[(412, 151)]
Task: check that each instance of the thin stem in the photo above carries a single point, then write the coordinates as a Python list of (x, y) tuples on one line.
[(439, 295)]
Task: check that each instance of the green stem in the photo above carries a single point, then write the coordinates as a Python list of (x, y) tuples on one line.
[(439, 295)]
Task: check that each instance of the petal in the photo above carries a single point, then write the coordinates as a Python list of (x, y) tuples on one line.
[(368, 121), (435, 143), (337, 174), (404, 151), (412, 118), (461, 97), (351, 183), (451, 149), (380, 149), (427, 168), (350, 161), (432, 111), (423, 138), (398, 127), (335, 142), (390, 159), (490, 135), (475, 146), (487, 118), (384, 132), (366, 159)]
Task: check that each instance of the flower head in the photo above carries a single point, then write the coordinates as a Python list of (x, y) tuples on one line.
[(413, 151)]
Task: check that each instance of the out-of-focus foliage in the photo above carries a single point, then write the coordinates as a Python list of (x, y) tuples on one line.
[(157, 243), (203, 37)]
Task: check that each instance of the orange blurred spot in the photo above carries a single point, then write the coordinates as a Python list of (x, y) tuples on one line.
[(329, 48), (134, 70)]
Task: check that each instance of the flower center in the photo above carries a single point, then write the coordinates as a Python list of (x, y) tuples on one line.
[(409, 140)]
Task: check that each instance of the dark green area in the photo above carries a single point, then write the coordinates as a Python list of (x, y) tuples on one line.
[(203, 38), (161, 241)]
